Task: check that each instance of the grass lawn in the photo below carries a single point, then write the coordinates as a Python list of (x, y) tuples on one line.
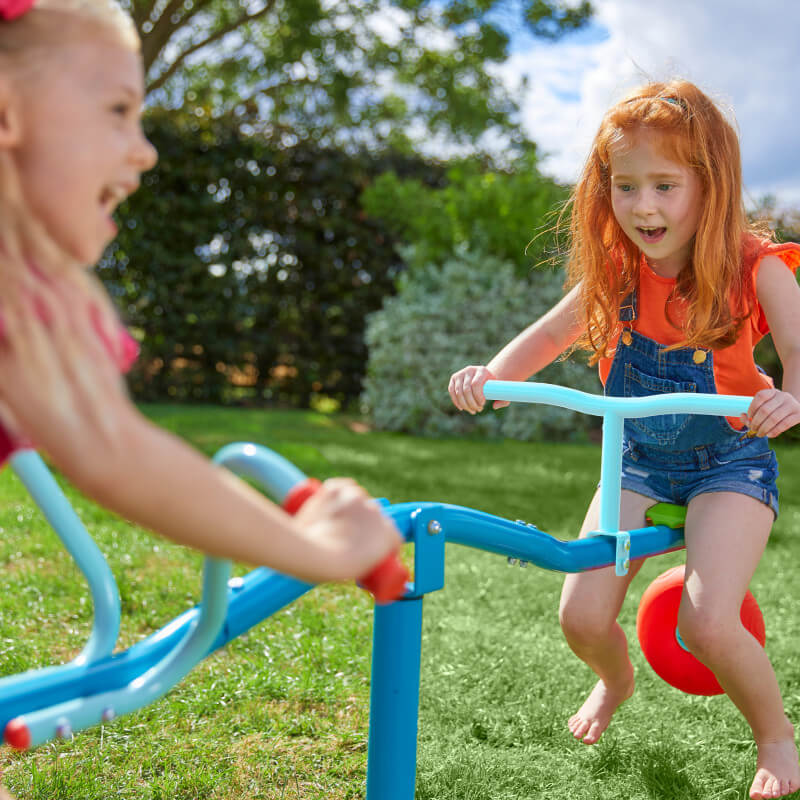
[(282, 712)]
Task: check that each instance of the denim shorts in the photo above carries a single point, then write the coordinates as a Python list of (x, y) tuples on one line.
[(743, 465)]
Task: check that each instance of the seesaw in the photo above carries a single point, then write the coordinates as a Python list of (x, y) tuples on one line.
[(99, 685)]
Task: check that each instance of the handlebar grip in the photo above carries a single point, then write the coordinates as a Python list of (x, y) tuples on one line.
[(386, 582)]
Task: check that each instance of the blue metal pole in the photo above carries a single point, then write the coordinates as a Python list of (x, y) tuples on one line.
[(394, 700)]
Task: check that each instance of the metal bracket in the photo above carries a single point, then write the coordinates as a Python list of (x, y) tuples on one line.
[(427, 533), (622, 560)]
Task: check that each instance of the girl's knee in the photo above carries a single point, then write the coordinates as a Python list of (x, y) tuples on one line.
[(706, 633), (585, 627)]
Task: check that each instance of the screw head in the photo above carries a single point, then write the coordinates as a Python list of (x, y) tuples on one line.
[(511, 561), (64, 730), (434, 527)]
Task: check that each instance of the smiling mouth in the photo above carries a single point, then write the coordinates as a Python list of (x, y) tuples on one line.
[(110, 198), (651, 234)]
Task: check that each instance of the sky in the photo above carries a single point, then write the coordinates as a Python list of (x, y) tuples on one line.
[(746, 55)]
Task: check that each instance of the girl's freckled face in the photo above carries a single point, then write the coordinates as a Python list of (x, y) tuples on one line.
[(82, 149), (657, 201)]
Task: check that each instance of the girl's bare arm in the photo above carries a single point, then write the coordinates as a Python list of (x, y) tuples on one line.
[(774, 411), (532, 350)]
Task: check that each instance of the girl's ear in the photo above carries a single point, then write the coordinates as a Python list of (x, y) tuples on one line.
[(10, 122)]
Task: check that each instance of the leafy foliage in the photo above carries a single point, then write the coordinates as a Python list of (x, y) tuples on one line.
[(386, 71), (444, 318), (247, 268), (495, 212)]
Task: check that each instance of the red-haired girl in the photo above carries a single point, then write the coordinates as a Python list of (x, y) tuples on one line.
[(670, 288)]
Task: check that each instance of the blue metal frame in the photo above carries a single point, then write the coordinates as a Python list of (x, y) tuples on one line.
[(56, 700)]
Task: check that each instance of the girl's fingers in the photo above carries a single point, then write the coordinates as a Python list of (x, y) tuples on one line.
[(772, 412)]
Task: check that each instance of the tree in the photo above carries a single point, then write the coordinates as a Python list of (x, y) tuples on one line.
[(247, 269), (370, 71)]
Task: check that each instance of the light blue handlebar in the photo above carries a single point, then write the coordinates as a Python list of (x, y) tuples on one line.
[(41, 485), (723, 405), (275, 474), (614, 411)]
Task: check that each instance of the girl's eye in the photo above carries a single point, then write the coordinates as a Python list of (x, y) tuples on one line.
[(624, 187), (121, 109), (664, 187)]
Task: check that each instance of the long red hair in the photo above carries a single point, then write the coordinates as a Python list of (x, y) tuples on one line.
[(718, 294)]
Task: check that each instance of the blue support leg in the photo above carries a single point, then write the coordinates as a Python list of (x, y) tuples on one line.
[(394, 700)]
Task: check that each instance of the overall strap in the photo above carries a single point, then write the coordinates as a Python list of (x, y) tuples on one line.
[(628, 309)]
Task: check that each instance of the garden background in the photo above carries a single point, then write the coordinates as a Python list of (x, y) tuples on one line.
[(301, 272)]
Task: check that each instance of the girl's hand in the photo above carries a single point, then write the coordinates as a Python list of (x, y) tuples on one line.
[(466, 389), (772, 412), (349, 528), (58, 381)]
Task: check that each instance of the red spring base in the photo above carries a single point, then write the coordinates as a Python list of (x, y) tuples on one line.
[(17, 735), (657, 627)]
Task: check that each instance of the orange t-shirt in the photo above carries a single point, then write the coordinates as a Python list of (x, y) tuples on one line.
[(735, 370)]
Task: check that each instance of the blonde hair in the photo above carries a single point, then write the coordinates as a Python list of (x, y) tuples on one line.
[(24, 45), (51, 23), (719, 295)]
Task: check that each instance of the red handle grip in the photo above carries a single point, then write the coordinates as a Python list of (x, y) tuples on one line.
[(387, 581)]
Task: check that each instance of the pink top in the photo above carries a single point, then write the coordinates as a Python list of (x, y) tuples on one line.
[(127, 351)]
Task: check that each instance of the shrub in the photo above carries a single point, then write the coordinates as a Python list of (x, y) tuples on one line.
[(444, 318)]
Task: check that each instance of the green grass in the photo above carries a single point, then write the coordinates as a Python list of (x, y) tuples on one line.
[(282, 712)]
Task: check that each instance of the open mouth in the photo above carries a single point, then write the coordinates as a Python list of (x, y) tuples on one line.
[(652, 235), (110, 198)]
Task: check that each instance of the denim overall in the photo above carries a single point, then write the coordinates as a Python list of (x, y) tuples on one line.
[(674, 457)]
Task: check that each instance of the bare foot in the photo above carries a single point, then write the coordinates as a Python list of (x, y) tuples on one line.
[(593, 716), (778, 772)]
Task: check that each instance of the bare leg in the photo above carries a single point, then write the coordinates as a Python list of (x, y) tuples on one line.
[(725, 537), (590, 604)]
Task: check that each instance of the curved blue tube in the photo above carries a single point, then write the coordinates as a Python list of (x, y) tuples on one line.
[(252, 599), (47, 494), (199, 631)]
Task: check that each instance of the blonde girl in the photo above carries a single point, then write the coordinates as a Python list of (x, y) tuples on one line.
[(71, 150)]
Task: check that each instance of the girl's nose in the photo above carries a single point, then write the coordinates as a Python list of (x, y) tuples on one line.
[(644, 203), (145, 155)]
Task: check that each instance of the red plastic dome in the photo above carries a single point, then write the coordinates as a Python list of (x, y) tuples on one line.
[(656, 626)]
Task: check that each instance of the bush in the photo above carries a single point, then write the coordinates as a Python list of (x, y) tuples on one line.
[(444, 318)]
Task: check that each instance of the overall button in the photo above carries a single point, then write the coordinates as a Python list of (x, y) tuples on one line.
[(699, 356), (626, 337)]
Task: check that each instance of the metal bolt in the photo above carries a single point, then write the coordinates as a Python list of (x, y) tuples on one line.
[(627, 564), (628, 546), (511, 561), (64, 730), (434, 527), (523, 564), (108, 714)]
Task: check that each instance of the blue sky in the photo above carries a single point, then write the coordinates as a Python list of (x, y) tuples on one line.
[(744, 54)]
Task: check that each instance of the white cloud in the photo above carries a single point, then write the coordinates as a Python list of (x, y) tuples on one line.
[(744, 54)]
